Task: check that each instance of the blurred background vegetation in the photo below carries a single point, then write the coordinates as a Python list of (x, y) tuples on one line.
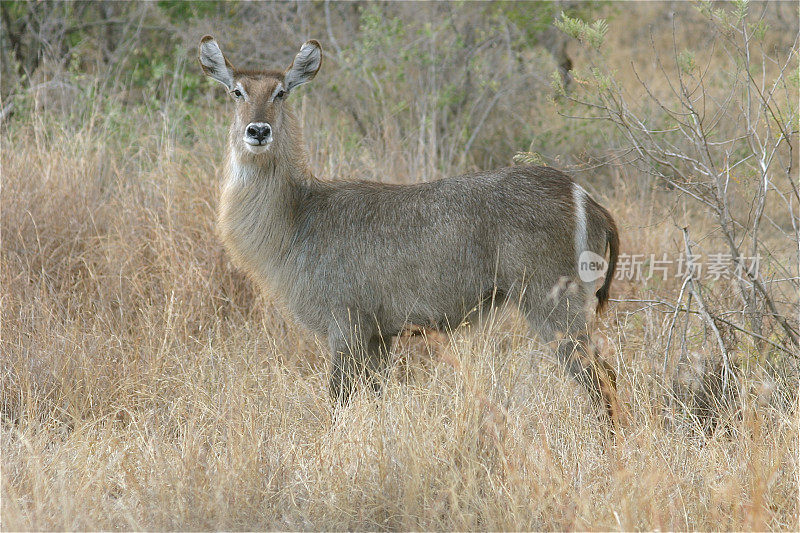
[(459, 80), (462, 84)]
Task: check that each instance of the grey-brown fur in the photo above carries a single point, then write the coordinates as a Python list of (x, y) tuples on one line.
[(358, 262)]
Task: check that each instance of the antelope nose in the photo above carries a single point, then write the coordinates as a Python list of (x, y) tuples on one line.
[(258, 130)]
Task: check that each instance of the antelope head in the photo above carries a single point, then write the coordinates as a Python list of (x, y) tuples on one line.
[(261, 117)]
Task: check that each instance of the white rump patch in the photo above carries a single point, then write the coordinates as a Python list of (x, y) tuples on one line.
[(581, 238)]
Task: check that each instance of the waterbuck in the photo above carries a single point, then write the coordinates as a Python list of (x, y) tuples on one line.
[(358, 262)]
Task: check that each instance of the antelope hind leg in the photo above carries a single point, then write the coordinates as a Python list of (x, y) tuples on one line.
[(592, 372)]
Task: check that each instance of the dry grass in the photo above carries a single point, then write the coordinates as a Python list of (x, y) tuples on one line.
[(145, 385)]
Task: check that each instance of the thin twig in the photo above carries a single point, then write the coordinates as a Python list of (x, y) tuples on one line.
[(706, 316), (672, 325), (681, 309)]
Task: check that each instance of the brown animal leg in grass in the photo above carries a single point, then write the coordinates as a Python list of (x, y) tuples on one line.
[(439, 343), (358, 352), (592, 372), (436, 340)]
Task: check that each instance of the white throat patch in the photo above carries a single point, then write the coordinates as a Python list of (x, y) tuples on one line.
[(238, 174)]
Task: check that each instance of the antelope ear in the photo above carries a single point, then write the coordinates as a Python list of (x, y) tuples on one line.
[(215, 64), (305, 65)]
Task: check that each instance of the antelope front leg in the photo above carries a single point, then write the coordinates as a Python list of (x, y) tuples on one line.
[(350, 343), (344, 370), (357, 356), (341, 380)]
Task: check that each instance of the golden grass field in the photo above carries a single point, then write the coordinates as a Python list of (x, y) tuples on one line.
[(146, 386)]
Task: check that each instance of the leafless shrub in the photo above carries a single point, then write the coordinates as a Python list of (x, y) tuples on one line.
[(720, 131)]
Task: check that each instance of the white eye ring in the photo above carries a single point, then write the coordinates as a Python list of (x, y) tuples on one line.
[(236, 93)]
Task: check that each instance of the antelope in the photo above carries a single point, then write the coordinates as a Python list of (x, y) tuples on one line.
[(360, 262)]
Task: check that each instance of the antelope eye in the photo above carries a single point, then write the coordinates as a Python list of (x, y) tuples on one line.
[(237, 93), (280, 94)]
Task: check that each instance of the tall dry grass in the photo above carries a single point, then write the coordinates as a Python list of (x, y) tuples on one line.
[(145, 385)]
